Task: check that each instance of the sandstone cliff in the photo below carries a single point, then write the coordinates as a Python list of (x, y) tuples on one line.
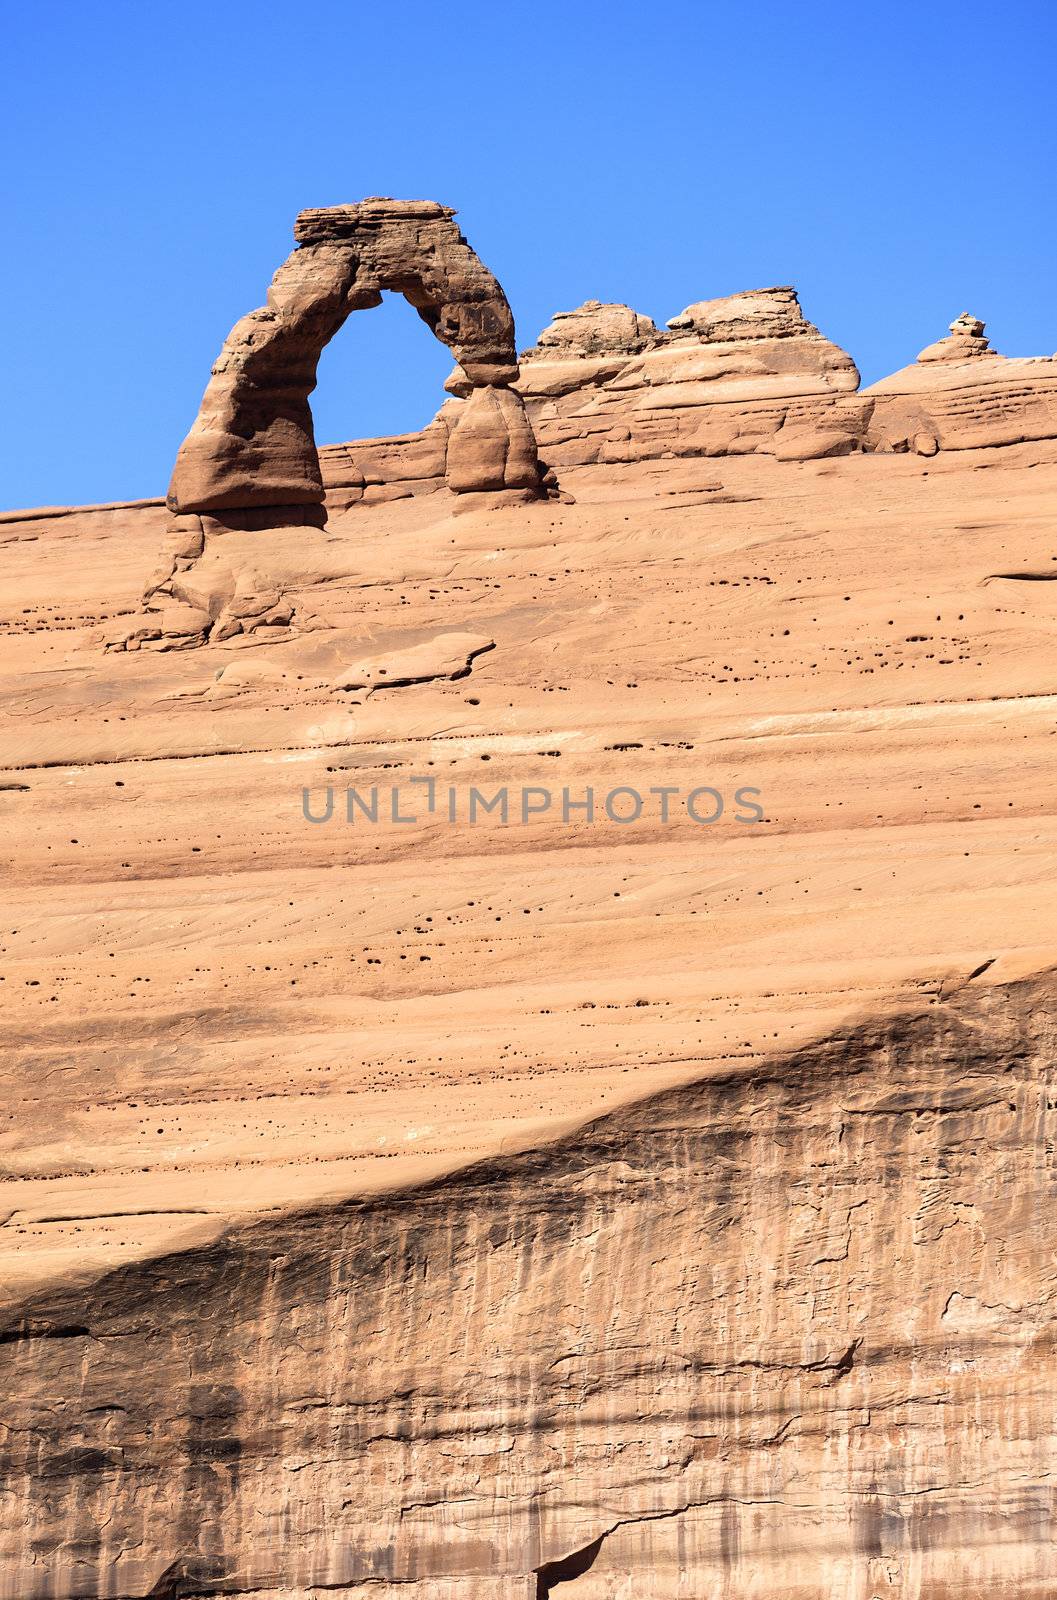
[(725, 378), (742, 375), (748, 374), (529, 1206), (787, 1330)]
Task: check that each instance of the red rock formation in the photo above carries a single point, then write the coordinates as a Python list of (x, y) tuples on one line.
[(966, 339), (252, 444), (747, 374), (434, 1209), (961, 395), (741, 375), (728, 376)]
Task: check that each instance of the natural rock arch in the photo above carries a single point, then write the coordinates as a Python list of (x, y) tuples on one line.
[(252, 445)]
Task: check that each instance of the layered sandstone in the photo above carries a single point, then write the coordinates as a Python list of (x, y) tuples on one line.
[(961, 395), (747, 374), (788, 1330), (731, 376), (965, 339), (457, 1209)]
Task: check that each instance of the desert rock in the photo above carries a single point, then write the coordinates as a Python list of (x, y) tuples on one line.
[(410, 1204), (752, 314), (661, 1353), (252, 444), (597, 329), (603, 384), (961, 395), (966, 339)]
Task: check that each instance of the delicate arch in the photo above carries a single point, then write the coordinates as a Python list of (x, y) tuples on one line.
[(252, 445)]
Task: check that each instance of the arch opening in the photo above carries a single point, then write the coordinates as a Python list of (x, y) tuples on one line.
[(252, 446), (380, 375)]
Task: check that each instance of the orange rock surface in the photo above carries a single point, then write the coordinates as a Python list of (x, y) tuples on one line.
[(654, 1206)]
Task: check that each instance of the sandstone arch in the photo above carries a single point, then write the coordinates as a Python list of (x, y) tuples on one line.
[(252, 445)]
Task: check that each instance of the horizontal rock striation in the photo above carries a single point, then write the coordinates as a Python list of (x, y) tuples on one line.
[(747, 374), (306, 1285), (785, 1330), (726, 377), (961, 395), (393, 468)]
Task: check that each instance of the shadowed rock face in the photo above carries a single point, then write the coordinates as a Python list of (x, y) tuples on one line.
[(252, 444), (784, 1331)]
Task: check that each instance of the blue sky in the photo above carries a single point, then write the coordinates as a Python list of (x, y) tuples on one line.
[(897, 164)]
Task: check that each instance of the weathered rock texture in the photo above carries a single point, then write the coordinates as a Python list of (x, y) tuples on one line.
[(788, 1330), (252, 444), (965, 339), (741, 375), (747, 374), (961, 395), (744, 373), (451, 1211)]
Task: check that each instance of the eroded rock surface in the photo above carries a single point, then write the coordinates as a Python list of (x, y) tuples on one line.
[(727, 376), (252, 444), (595, 329), (961, 395), (786, 1330), (748, 374), (965, 340), (418, 1205)]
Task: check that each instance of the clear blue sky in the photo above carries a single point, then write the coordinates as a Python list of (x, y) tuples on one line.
[(896, 163)]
